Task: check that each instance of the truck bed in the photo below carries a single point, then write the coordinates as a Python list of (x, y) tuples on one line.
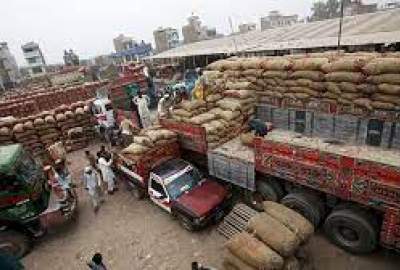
[(233, 162)]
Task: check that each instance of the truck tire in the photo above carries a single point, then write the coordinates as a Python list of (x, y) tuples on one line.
[(266, 190), (352, 229), (15, 243), (306, 204), (186, 223)]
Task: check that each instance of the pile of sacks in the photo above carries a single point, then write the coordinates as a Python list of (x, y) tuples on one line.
[(46, 128), (76, 139), (6, 136), (148, 140), (369, 80), (272, 241), (188, 109), (25, 133)]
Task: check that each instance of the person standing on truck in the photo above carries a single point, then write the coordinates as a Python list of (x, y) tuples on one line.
[(142, 102), (92, 183), (63, 178), (127, 130), (107, 172)]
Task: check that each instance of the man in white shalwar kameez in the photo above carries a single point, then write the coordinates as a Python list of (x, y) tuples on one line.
[(142, 102), (92, 183), (107, 173)]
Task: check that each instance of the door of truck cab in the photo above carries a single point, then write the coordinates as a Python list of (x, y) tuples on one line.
[(158, 193)]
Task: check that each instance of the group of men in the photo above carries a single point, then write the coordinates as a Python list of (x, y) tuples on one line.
[(98, 170)]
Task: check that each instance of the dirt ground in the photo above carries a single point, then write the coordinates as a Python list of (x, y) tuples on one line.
[(138, 235)]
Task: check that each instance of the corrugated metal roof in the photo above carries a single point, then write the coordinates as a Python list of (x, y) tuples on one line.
[(372, 28)]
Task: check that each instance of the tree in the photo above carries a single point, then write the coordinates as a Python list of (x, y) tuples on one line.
[(322, 10)]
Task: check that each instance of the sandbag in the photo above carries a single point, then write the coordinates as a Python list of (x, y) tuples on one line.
[(301, 95), (202, 118), (143, 140), (61, 117), (348, 87), (218, 65), (167, 134), (229, 115), (382, 105), (154, 135), (384, 78), (354, 77), (253, 72), (254, 252), (182, 113), (389, 89), (309, 63), (232, 262), (350, 96), (213, 98), (367, 89), (239, 93), (192, 105), (28, 125), (274, 234), (330, 95), (5, 131), (18, 128), (233, 65), (238, 85), (38, 122), (352, 64), (252, 63), (229, 104), (277, 63), (135, 149), (386, 98), (49, 119), (291, 263), (292, 82), (80, 111), (382, 66), (317, 76), (271, 74), (291, 219), (69, 114), (304, 90), (363, 102), (344, 101)]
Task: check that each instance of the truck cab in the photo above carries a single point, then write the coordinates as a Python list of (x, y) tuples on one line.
[(180, 189)]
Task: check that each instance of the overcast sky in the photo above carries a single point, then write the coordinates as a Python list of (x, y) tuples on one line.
[(88, 26)]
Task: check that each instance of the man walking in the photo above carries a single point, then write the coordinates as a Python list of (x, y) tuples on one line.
[(92, 184), (107, 172)]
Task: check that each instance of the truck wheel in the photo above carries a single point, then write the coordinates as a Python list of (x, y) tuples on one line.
[(352, 229), (266, 190), (306, 204), (186, 223), (14, 243)]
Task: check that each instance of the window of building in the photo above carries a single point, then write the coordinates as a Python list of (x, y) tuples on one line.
[(28, 50), (300, 121), (374, 132), (37, 70), (31, 60)]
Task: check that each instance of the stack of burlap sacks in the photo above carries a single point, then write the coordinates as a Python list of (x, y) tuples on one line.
[(25, 133), (6, 135), (46, 128), (148, 139), (272, 242), (368, 80)]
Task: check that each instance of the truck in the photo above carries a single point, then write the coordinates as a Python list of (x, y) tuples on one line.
[(175, 185), (27, 205), (331, 166)]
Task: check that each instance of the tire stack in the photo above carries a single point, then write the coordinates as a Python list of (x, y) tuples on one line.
[(46, 128), (273, 241), (25, 133)]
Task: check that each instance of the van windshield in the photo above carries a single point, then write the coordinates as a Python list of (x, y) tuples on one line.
[(26, 169), (183, 183)]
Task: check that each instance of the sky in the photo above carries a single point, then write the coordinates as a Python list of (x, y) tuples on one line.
[(89, 26)]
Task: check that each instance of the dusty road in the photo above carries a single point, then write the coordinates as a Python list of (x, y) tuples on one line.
[(138, 235)]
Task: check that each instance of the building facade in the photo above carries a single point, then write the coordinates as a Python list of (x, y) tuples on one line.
[(194, 31), (247, 27), (357, 7), (122, 43), (276, 19), (34, 58), (9, 73), (166, 38)]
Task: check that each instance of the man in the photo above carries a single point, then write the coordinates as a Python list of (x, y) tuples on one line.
[(91, 182), (163, 106), (97, 262), (63, 178), (103, 152), (91, 159), (142, 102), (107, 172), (127, 130)]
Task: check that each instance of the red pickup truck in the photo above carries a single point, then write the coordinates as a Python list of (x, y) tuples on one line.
[(175, 185)]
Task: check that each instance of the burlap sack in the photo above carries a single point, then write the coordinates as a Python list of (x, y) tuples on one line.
[(291, 263), (384, 78), (229, 104), (229, 115), (18, 128), (239, 85), (192, 105), (232, 262), (61, 117), (274, 234), (38, 122), (213, 98), (277, 63), (253, 72), (135, 149), (348, 87), (270, 82), (218, 65), (354, 77), (352, 64), (202, 118), (316, 76), (292, 83), (386, 98), (239, 93), (309, 63), (389, 89), (49, 119), (382, 66), (351, 96), (291, 219), (28, 125), (5, 131), (301, 96), (367, 89), (233, 65), (271, 74), (182, 113), (304, 90), (143, 140), (382, 105), (345, 101), (333, 88), (364, 102), (252, 63), (253, 252)]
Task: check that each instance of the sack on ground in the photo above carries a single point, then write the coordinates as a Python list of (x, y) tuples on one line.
[(231, 262)]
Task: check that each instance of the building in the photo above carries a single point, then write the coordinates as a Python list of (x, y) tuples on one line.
[(276, 19), (9, 73), (166, 38), (71, 58), (391, 5), (194, 31), (247, 27), (357, 7), (34, 58), (122, 43)]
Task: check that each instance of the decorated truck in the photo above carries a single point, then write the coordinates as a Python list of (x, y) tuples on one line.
[(175, 185), (28, 208)]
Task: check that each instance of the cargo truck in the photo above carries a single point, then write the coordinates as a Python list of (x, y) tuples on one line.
[(331, 166)]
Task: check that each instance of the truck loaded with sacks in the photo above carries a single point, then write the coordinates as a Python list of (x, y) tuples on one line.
[(333, 154)]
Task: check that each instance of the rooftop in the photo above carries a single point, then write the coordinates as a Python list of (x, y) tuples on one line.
[(373, 28)]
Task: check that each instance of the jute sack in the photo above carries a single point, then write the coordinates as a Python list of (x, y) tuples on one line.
[(192, 105), (382, 105), (291, 263), (301, 96), (364, 102), (18, 128), (276, 64), (218, 65), (316, 76), (333, 88), (270, 82), (239, 85), (252, 63), (143, 140), (232, 262), (382, 66), (384, 78), (280, 89), (135, 149), (253, 72), (254, 252), (202, 118), (182, 113), (271, 74), (386, 98), (348, 87), (304, 90), (292, 83), (274, 234), (5, 131), (345, 64), (354, 77), (229, 104), (389, 89), (213, 98), (367, 89), (351, 96), (344, 101), (239, 93), (309, 63), (291, 219)]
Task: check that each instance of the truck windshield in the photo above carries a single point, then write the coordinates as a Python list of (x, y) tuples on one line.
[(26, 169), (183, 183)]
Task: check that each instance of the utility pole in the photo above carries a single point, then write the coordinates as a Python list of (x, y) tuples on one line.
[(233, 36), (340, 24)]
